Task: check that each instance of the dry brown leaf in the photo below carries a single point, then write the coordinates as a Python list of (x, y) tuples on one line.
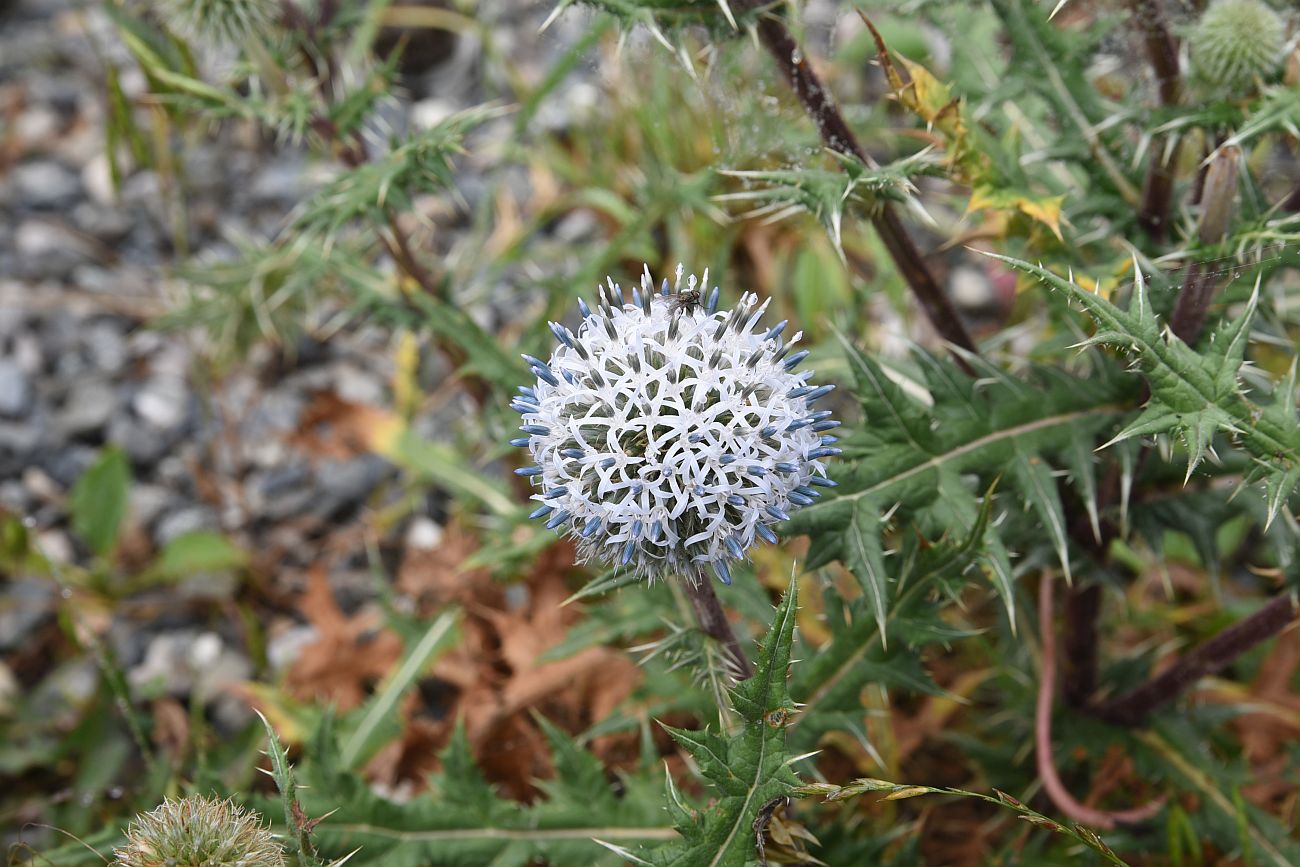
[(350, 654)]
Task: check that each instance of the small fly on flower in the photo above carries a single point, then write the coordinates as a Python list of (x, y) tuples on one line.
[(685, 301)]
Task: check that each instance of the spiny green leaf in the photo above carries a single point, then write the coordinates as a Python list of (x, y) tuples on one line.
[(866, 560), (748, 769), (1033, 478)]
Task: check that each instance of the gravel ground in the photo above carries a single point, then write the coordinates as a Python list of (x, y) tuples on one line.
[(84, 272)]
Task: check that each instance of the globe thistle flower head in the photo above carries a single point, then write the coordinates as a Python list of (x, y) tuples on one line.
[(228, 21), (198, 830), (668, 436), (1236, 43)]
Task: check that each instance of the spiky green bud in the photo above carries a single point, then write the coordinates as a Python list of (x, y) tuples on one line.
[(221, 20), (1236, 43), (197, 831)]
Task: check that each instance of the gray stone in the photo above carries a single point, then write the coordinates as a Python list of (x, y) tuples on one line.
[(163, 402), (281, 492), (25, 605), (65, 465), (16, 394), (49, 250), (87, 408), (344, 485), (181, 521), (143, 443), (106, 345), (46, 184), (147, 502)]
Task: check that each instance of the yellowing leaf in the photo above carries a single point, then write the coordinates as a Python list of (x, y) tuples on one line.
[(1045, 210)]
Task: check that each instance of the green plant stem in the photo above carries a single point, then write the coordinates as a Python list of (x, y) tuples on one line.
[(1135, 707), (835, 133), (712, 620)]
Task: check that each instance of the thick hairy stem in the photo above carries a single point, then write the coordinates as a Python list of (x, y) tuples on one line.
[(1052, 785), (835, 133), (1162, 52), (713, 622), (1134, 708), (1217, 198)]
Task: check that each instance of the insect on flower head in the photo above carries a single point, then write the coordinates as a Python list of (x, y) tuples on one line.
[(669, 436)]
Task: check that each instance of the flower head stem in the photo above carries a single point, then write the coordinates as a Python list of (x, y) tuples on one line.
[(713, 622)]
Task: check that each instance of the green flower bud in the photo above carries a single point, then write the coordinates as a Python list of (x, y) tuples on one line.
[(1236, 43), (197, 831)]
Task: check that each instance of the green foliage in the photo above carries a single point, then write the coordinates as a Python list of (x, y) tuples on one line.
[(897, 792), (750, 770), (463, 820), (1235, 44), (1195, 395), (99, 500)]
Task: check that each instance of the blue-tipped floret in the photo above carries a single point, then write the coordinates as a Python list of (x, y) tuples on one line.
[(519, 442), (629, 548), (561, 333), (636, 528), (734, 547), (721, 570), (727, 459), (786, 467), (539, 430), (607, 463), (584, 309), (592, 527), (775, 331), (572, 453), (823, 482), (657, 528), (796, 393), (765, 532), (793, 361), (800, 499), (556, 520), (777, 513), (534, 361), (736, 500), (830, 440), (768, 431), (807, 491), (528, 471), (824, 452), (829, 424), (798, 423), (544, 373), (527, 392), (636, 297), (522, 406), (663, 288), (819, 392), (556, 492), (711, 306), (756, 471), (539, 511)]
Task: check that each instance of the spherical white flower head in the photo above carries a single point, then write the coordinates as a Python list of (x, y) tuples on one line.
[(668, 435)]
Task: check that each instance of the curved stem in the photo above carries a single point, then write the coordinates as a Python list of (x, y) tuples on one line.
[(1060, 796)]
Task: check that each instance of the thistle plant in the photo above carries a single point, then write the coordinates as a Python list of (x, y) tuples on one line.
[(197, 830), (670, 436)]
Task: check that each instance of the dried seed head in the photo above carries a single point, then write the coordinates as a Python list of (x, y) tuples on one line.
[(668, 436)]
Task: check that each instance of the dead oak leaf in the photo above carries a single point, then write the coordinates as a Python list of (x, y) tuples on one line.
[(350, 654)]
